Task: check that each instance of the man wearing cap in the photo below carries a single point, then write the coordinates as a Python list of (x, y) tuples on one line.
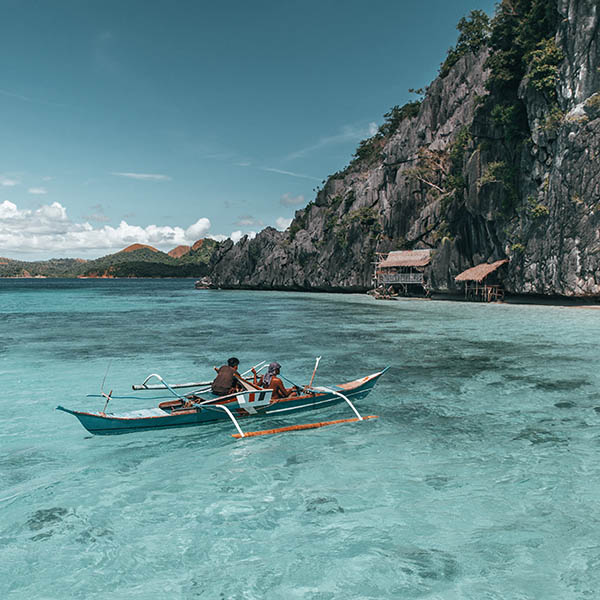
[(225, 382), (271, 381)]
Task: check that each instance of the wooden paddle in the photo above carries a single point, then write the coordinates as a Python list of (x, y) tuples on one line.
[(306, 387)]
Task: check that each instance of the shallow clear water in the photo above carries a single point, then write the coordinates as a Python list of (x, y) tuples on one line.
[(480, 480)]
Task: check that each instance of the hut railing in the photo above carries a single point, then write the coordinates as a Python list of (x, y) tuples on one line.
[(400, 278), (484, 292)]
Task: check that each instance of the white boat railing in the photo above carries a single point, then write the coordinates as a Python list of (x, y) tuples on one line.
[(336, 393), (264, 399)]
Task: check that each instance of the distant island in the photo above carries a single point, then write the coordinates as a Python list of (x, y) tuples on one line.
[(137, 260)]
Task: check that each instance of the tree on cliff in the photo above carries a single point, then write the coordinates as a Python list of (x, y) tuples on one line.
[(474, 34)]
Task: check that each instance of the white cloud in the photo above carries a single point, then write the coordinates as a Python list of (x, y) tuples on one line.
[(283, 223), (104, 53), (143, 176), (37, 190), (348, 133), (53, 212), (10, 94), (8, 210), (199, 229), (218, 238), (289, 200), (236, 236), (290, 173), (248, 221), (98, 215), (227, 155), (49, 229), (13, 95), (8, 181)]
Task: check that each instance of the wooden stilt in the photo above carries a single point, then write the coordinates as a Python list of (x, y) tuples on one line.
[(300, 427)]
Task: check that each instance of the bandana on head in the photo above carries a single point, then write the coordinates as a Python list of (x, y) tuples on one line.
[(271, 372)]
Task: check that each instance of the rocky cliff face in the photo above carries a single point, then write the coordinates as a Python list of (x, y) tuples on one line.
[(561, 168), (456, 178)]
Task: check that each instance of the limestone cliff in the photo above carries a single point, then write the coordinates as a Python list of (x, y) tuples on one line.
[(500, 159)]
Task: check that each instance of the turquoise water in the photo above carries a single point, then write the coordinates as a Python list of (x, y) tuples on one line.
[(480, 480)]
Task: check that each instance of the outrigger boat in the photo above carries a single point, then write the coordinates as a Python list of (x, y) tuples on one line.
[(252, 401)]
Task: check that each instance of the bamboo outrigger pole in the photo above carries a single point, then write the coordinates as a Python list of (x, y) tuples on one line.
[(163, 384), (300, 427), (309, 425)]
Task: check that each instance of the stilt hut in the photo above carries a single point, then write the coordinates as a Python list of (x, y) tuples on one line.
[(402, 269), (482, 283)]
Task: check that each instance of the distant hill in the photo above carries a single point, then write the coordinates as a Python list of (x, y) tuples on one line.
[(135, 247), (202, 250), (55, 267), (179, 251), (137, 260)]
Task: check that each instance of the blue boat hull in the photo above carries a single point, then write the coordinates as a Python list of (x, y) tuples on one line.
[(156, 418)]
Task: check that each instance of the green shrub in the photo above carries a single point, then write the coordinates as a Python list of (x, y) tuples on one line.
[(474, 33), (398, 114), (331, 221), (335, 202), (501, 172), (495, 172), (543, 67), (593, 101), (592, 106), (538, 211), (576, 199), (455, 181), (442, 232), (554, 119), (366, 216), (517, 29), (300, 221), (349, 200), (369, 150), (457, 150)]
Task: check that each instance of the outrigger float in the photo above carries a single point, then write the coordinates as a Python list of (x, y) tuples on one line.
[(252, 401)]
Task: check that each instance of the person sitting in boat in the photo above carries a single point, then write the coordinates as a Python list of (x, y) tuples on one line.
[(272, 382), (225, 382)]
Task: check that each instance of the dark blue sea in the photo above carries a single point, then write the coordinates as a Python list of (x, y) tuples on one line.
[(480, 480)]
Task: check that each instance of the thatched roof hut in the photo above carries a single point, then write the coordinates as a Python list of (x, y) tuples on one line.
[(480, 272), (407, 258)]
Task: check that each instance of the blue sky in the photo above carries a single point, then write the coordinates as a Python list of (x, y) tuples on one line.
[(161, 122)]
